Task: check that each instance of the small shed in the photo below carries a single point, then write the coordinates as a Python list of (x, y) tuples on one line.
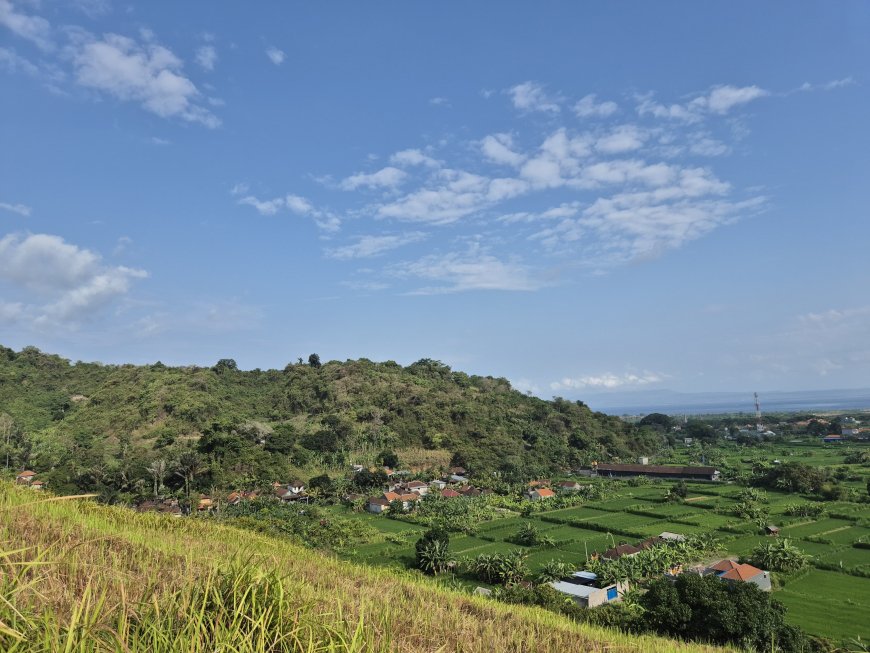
[(771, 530)]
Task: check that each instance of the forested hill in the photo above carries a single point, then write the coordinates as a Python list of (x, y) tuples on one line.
[(95, 421)]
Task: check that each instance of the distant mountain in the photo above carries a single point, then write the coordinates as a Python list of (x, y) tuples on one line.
[(643, 402)]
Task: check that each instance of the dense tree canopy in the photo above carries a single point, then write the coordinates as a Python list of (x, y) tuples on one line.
[(69, 421)]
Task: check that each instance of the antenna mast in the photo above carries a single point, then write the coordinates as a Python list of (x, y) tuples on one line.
[(758, 425)]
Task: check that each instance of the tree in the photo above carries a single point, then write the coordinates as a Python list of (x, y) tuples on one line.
[(225, 364), (322, 484), (157, 469), (188, 467), (389, 459), (554, 570), (779, 555), (432, 552), (709, 609), (314, 361), (678, 492), (529, 535), (658, 421)]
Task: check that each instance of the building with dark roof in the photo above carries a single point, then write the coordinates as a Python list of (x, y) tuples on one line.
[(679, 472)]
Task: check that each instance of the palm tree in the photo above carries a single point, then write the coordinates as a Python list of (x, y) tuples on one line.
[(157, 469)]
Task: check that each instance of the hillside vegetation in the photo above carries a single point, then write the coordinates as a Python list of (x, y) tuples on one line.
[(94, 426), (81, 576)]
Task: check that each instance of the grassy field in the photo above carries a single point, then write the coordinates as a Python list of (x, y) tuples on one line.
[(80, 577)]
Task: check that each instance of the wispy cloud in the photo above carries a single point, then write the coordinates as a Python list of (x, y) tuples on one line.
[(369, 246), (589, 107), (296, 204), (206, 57), (275, 55), (531, 96), (388, 177), (717, 101), (828, 86), (413, 157), (33, 28), (474, 269), (20, 209), (607, 381)]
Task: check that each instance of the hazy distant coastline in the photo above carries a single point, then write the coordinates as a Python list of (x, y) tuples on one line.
[(695, 403)]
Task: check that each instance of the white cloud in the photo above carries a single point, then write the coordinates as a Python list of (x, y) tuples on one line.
[(624, 138), (388, 177), (723, 98), (530, 96), (589, 108), (607, 381), (368, 246), (704, 145), (156, 140), (149, 74), (440, 102), (565, 210), (20, 209), (413, 158), (32, 28), (719, 100), (206, 57), (828, 86), (276, 56), (264, 207), (298, 204), (498, 148), (325, 220), (62, 282), (682, 205), (453, 195), (472, 270)]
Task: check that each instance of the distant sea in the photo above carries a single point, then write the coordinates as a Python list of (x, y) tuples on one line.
[(705, 403)]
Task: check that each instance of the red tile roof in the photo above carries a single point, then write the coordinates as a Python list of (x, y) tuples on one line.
[(545, 492), (449, 494), (725, 565), (742, 572)]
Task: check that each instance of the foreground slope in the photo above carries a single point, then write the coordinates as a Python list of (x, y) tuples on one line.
[(75, 575)]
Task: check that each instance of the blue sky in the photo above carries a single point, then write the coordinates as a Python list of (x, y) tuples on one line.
[(577, 196)]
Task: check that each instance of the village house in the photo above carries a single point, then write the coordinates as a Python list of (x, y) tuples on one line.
[(539, 494), (296, 487), (569, 486), (584, 589), (25, 477), (621, 551), (377, 505), (205, 504), (450, 493), (37, 485), (437, 484), (541, 482), (419, 487), (734, 572)]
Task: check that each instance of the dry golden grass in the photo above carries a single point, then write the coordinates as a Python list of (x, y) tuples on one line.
[(123, 574)]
